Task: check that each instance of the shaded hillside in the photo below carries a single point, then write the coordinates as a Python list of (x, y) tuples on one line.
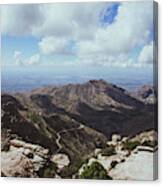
[(57, 132), (97, 104), (13, 118)]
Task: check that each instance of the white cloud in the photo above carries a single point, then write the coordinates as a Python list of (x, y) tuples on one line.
[(59, 24), (18, 57), (21, 61), (146, 54), (50, 45), (131, 28), (34, 60), (112, 45), (61, 20), (71, 20), (121, 60), (20, 19), (17, 54)]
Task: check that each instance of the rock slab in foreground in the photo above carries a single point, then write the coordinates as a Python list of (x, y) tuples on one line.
[(23, 159), (138, 166)]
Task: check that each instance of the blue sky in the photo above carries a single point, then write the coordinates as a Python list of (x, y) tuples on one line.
[(110, 14), (105, 35), (10, 44)]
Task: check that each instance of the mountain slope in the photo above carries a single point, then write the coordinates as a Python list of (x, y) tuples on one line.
[(97, 104), (73, 120), (44, 129)]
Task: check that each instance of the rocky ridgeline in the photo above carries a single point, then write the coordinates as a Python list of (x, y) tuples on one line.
[(146, 93), (123, 157), (97, 104)]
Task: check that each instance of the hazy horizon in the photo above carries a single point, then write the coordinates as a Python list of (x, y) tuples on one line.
[(26, 80)]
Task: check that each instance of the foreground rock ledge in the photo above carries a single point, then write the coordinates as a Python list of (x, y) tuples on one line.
[(23, 159), (138, 166)]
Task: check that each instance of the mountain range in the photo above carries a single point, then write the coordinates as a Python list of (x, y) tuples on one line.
[(75, 119)]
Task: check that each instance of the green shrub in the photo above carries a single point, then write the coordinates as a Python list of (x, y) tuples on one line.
[(34, 117), (73, 168), (94, 171), (108, 151), (48, 171), (113, 164), (131, 145)]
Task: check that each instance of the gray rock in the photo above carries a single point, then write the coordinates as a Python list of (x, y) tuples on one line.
[(23, 159)]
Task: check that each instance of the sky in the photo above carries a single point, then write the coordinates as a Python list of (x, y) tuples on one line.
[(80, 36)]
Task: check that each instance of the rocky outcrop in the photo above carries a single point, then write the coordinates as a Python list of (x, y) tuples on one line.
[(136, 162), (61, 160), (146, 93), (5, 140), (138, 166), (15, 164), (144, 137), (23, 159)]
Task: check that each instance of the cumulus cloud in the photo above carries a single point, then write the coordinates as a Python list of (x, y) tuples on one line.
[(114, 43), (61, 20), (18, 57), (57, 25), (21, 61), (131, 28), (53, 45), (34, 60), (146, 54), (20, 19)]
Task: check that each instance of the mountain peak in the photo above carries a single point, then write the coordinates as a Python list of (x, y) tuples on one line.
[(100, 81)]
